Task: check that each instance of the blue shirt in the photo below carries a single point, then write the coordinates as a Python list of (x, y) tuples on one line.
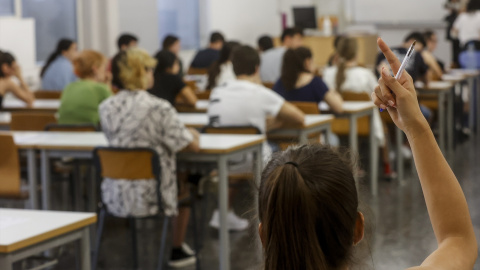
[(205, 58), (58, 75), (313, 92)]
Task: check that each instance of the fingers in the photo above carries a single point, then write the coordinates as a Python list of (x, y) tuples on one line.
[(386, 92), (389, 83), (389, 55), (378, 102)]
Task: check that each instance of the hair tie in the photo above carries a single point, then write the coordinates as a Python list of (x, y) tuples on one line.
[(292, 163)]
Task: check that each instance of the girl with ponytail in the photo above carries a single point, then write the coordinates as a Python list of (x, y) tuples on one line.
[(58, 70)]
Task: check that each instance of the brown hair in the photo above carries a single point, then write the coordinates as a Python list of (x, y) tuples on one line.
[(245, 60), (293, 65), (308, 207), (85, 61), (215, 68), (347, 51)]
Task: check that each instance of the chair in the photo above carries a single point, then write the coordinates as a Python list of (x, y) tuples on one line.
[(203, 95), (197, 71), (131, 164), (47, 94), (31, 121), (192, 85), (342, 127), (246, 130), (10, 181), (268, 85), (307, 107), (71, 128)]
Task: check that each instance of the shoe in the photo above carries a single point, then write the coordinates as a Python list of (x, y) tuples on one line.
[(234, 222), (182, 257)]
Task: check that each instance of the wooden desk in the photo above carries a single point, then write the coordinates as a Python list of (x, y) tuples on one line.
[(5, 119), (200, 107), (25, 233), (39, 105), (473, 80)]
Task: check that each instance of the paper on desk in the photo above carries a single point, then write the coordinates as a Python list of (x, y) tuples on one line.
[(6, 221)]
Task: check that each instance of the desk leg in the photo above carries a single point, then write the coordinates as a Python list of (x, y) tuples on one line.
[(353, 136), (441, 121), (303, 138), (32, 178), (328, 132), (85, 249), (471, 116), (477, 103), (399, 156), (450, 126), (6, 262), (373, 158), (45, 171), (224, 247)]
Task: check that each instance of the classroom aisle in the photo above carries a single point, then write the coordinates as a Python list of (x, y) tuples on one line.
[(402, 232)]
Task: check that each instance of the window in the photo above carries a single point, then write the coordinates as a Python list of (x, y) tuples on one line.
[(54, 20), (180, 18), (7, 7)]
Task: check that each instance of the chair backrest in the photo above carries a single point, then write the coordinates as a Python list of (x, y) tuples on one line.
[(31, 121), (46, 94), (307, 107), (197, 71), (355, 96), (9, 167), (246, 130), (268, 84), (71, 128), (203, 95)]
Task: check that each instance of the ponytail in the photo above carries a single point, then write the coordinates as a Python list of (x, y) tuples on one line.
[(341, 76), (347, 51), (215, 69), (63, 45)]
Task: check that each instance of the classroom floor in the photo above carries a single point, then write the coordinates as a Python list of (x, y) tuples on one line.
[(399, 233)]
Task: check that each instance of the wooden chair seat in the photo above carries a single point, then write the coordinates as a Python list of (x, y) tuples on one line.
[(429, 101), (197, 71), (341, 126), (269, 85), (307, 107)]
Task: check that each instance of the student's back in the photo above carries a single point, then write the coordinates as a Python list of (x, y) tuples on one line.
[(357, 79), (271, 67), (58, 70), (314, 91), (205, 58)]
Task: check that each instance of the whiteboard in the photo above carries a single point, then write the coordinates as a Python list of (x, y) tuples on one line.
[(398, 11)]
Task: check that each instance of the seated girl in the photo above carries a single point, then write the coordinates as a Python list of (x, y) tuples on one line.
[(9, 68)]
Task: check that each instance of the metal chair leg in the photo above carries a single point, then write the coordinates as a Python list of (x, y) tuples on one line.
[(133, 231), (196, 243), (96, 252), (163, 242)]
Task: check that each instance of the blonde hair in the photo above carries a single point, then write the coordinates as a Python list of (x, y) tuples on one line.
[(85, 61), (347, 51), (133, 69)]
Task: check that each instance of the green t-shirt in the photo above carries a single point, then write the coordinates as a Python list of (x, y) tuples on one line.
[(80, 101)]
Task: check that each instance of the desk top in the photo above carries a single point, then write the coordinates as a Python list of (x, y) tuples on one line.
[(434, 86), (350, 107), (454, 77), (21, 228), (87, 141), (465, 72), (5, 118), (39, 104)]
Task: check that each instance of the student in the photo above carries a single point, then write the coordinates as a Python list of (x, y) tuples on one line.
[(308, 202), (80, 99), (222, 70), (168, 85), (265, 43), (298, 83), (467, 25), (347, 75), (124, 42), (272, 60), (9, 68), (58, 71), (246, 102), (134, 118), (431, 40), (171, 43), (206, 57), (333, 60)]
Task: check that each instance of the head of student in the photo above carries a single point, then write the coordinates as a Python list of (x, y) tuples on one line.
[(347, 52), (171, 43), (431, 40), (245, 61), (308, 209), (473, 6), (415, 36), (136, 69), (167, 63), (292, 38), (90, 65), (225, 57), (7, 64), (127, 41), (295, 62), (216, 41), (66, 48), (265, 43)]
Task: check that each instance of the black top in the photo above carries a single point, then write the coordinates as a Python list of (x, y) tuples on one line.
[(205, 58), (1, 100), (116, 82), (416, 67), (167, 86), (180, 72)]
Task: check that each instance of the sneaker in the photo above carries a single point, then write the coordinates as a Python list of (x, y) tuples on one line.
[(182, 257), (234, 222)]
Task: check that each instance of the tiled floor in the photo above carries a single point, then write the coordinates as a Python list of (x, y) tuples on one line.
[(399, 234)]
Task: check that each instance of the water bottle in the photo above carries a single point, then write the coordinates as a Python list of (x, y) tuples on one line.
[(471, 56), (327, 26)]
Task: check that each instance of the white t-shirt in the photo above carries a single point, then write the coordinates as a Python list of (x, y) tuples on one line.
[(468, 26), (271, 64), (358, 80), (226, 73)]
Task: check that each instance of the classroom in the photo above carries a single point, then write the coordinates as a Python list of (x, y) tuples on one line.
[(239, 134)]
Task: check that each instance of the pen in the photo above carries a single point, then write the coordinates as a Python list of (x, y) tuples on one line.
[(404, 63)]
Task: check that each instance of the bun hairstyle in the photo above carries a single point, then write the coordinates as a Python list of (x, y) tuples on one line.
[(308, 207), (347, 51), (133, 68), (85, 61), (293, 65)]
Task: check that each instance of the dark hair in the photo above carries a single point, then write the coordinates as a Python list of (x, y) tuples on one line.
[(473, 5), (245, 60), (347, 51), (293, 65), (165, 60), (291, 32), (336, 41), (168, 42), (416, 36), (308, 207), (5, 58), (62, 45), (216, 36), (427, 35), (125, 39), (225, 56), (265, 43)]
